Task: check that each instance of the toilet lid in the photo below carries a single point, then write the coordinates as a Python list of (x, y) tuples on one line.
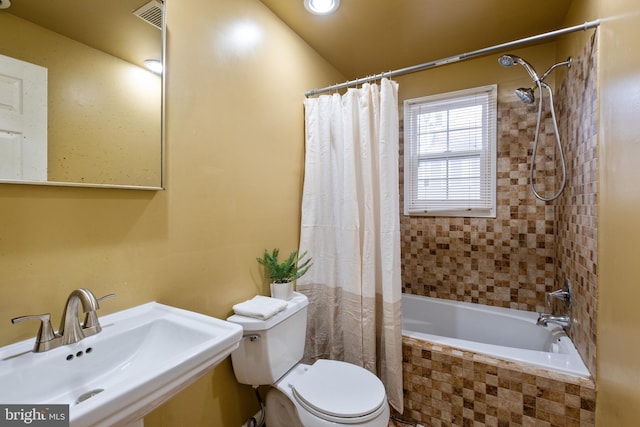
[(339, 389)]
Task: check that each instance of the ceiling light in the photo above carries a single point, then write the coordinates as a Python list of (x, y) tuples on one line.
[(321, 7), (154, 65)]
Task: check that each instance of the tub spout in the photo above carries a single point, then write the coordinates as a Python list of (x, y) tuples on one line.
[(562, 320)]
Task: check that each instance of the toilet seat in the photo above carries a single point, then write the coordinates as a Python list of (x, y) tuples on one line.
[(339, 392)]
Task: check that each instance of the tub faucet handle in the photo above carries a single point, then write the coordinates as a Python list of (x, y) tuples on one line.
[(563, 294)]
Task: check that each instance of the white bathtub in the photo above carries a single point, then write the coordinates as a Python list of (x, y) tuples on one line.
[(499, 332)]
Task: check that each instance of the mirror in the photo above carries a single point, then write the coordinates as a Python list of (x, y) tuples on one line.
[(103, 107)]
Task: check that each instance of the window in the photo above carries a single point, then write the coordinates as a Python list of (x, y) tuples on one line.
[(450, 154)]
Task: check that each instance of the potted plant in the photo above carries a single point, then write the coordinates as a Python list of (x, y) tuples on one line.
[(283, 274)]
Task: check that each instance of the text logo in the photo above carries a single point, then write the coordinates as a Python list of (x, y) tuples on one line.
[(34, 415)]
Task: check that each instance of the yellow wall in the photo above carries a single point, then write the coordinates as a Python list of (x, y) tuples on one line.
[(618, 322), (103, 113), (234, 171)]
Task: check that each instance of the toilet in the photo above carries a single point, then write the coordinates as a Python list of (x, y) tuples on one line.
[(327, 393)]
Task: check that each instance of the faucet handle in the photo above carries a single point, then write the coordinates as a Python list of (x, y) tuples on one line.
[(45, 333), (91, 322), (563, 294), (106, 297)]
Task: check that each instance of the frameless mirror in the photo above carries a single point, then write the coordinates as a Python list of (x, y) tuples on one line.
[(98, 119)]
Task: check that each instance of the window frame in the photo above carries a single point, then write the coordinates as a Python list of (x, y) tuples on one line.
[(485, 206)]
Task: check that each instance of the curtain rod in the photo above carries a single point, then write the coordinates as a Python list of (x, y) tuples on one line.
[(451, 59)]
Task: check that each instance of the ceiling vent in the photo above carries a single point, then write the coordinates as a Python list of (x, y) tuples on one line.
[(151, 13)]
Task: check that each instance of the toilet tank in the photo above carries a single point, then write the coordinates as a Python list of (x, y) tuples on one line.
[(269, 348)]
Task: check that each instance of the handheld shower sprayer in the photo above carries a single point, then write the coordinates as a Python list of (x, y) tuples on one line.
[(511, 60), (524, 93), (507, 60), (527, 96)]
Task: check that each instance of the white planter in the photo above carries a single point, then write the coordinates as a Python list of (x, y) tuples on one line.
[(282, 290)]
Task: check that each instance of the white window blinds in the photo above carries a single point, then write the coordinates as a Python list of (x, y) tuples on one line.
[(450, 153)]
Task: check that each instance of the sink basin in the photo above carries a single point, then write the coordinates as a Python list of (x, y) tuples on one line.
[(142, 357)]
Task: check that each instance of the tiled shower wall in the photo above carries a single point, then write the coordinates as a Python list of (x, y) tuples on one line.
[(531, 246), (576, 210), (507, 261)]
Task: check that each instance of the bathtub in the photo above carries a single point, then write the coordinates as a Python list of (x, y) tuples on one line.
[(498, 332)]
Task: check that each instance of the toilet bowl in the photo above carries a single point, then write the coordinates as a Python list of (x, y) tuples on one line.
[(328, 393)]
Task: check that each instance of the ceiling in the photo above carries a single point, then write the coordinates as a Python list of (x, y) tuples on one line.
[(109, 26), (365, 37)]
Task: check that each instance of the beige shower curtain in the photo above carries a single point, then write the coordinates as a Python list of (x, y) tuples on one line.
[(351, 229)]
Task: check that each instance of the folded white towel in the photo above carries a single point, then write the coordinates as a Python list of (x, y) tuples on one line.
[(260, 307)]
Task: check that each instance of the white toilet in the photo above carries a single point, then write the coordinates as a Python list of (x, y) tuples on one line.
[(327, 393)]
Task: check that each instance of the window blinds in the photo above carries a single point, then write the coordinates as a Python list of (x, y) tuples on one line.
[(450, 153)]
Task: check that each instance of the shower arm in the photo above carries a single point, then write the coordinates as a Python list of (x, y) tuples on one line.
[(554, 66)]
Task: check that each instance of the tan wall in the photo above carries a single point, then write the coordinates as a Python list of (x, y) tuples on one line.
[(104, 116), (618, 314), (234, 165), (618, 328)]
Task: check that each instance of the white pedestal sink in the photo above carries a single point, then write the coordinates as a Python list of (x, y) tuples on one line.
[(142, 357)]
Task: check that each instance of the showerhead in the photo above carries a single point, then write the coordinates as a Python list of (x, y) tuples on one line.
[(507, 60), (511, 60), (526, 95)]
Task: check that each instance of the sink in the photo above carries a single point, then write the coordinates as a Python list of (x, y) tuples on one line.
[(142, 357)]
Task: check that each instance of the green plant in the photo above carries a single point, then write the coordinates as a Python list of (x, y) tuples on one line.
[(288, 270)]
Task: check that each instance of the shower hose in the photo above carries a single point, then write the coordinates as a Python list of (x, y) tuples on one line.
[(556, 133)]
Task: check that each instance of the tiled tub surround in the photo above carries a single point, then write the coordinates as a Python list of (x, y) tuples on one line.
[(445, 386), (513, 260)]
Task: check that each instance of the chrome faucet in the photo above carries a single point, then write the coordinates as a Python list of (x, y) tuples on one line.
[(563, 320), (71, 330)]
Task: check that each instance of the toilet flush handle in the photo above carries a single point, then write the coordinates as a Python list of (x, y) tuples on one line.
[(252, 337)]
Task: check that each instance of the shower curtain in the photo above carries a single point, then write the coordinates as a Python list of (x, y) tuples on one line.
[(350, 226)]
